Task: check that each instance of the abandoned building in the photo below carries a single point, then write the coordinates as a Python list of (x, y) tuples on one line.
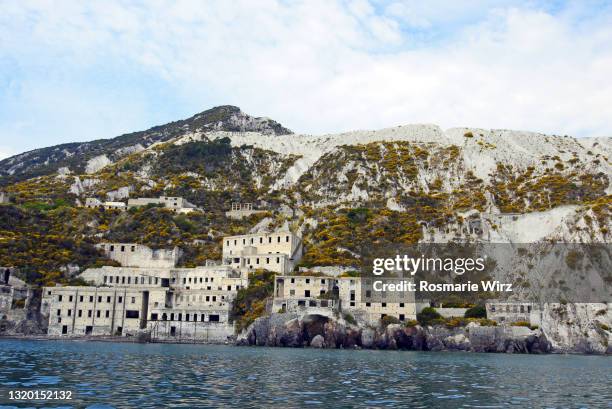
[(279, 251), (4, 197), (326, 295), (240, 210), (14, 295), (514, 311), (92, 202), (138, 255), (148, 292), (176, 204)]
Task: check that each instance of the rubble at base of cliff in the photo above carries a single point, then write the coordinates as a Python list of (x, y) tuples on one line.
[(290, 330)]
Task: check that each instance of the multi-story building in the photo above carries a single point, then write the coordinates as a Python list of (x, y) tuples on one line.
[(147, 293), (279, 251), (95, 310), (342, 294), (176, 204)]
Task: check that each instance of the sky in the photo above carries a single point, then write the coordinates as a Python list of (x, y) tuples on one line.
[(77, 71)]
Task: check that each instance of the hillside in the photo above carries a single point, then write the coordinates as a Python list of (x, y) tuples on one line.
[(406, 184), (88, 157)]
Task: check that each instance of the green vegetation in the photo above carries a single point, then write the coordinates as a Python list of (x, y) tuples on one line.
[(46, 161), (455, 322), (250, 302), (525, 191), (524, 324), (354, 230), (349, 318), (378, 168), (205, 157), (429, 316), (43, 242), (388, 320), (478, 311)]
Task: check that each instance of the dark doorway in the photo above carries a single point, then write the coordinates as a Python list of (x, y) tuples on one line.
[(173, 331), (145, 309), (7, 274), (88, 330), (64, 329)]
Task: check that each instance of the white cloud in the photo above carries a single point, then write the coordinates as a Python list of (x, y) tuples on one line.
[(321, 66)]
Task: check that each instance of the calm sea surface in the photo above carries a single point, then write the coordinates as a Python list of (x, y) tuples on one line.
[(104, 375)]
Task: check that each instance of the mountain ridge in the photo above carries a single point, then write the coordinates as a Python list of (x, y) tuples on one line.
[(44, 161), (76, 156)]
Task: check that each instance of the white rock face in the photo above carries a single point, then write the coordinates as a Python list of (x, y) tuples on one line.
[(79, 187), (480, 153), (393, 205), (128, 150), (188, 137), (97, 163), (262, 227), (121, 193), (522, 228), (578, 327), (63, 171)]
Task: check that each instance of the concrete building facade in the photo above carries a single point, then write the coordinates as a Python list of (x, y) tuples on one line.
[(14, 295), (176, 204), (138, 255), (92, 202), (341, 294), (241, 210), (514, 311), (279, 251), (147, 294)]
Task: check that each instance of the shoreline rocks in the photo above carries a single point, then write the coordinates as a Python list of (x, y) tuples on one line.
[(290, 330)]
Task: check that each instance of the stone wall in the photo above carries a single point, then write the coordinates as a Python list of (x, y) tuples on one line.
[(204, 332), (138, 255), (451, 312)]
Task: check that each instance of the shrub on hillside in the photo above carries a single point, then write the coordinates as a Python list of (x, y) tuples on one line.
[(250, 302), (478, 311), (428, 316), (349, 318), (388, 320)]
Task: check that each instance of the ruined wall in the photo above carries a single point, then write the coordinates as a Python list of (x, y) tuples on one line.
[(137, 255), (181, 331)]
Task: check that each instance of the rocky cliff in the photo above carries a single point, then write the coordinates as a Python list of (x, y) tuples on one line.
[(286, 330), (582, 335), (89, 157)]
